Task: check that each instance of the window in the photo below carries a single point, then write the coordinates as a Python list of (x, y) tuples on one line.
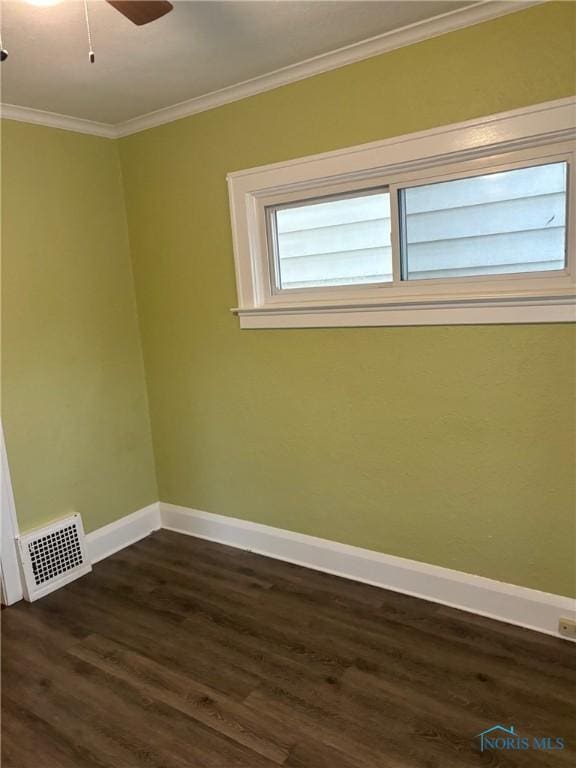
[(332, 241), (498, 223), (468, 224)]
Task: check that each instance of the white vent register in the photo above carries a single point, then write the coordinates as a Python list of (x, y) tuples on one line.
[(53, 556)]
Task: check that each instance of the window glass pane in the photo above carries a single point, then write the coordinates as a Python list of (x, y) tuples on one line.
[(334, 242), (500, 223)]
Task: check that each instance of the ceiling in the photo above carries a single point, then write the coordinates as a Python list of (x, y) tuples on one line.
[(196, 49)]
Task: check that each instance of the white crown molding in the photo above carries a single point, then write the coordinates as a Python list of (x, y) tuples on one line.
[(373, 46), (365, 49), (54, 120)]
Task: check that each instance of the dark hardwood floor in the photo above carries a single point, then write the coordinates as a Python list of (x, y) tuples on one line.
[(180, 653)]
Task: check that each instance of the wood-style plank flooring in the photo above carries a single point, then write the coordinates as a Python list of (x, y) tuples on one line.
[(181, 653)]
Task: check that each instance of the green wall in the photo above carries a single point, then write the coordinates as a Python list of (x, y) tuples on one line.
[(449, 445), (74, 404)]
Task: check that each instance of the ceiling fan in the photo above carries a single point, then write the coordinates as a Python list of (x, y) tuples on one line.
[(139, 12), (142, 11)]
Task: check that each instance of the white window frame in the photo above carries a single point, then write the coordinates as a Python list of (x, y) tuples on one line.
[(541, 134)]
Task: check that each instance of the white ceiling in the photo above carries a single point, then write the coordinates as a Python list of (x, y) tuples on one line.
[(198, 48)]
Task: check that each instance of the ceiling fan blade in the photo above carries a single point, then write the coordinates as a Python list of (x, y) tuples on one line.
[(142, 11)]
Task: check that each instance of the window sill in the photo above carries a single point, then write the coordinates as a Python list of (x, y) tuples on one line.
[(534, 135), (503, 310)]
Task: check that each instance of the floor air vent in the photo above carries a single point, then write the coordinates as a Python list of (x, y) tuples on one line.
[(53, 556)]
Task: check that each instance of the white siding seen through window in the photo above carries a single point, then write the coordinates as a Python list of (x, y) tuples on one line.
[(340, 241), (500, 223)]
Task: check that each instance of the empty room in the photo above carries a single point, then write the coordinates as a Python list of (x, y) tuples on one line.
[(288, 383)]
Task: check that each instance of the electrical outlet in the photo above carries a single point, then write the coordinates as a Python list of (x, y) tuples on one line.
[(567, 627)]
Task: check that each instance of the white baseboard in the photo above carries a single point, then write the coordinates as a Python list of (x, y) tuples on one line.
[(105, 541), (524, 607), (530, 608)]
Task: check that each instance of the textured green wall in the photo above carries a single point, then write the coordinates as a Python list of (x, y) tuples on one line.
[(73, 396), (450, 445)]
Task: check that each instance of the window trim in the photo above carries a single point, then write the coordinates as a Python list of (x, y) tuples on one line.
[(544, 133)]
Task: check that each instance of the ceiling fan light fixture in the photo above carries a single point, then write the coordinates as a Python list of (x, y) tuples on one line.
[(41, 3), (139, 12)]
